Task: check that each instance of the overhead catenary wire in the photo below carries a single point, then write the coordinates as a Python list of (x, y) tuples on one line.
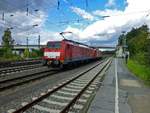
[(54, 23), (29, 13), (77, 20), (58, 4), (128, 13), (8, 23), (27, 8)]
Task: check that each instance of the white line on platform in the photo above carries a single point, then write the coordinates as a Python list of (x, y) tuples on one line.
[(116, 96)]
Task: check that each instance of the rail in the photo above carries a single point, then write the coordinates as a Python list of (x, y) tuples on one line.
[(50, 92)]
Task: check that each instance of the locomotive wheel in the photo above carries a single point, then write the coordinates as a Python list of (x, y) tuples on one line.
[(61, 66), (44, 62)]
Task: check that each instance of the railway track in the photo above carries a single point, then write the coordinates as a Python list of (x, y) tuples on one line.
[(20, 80), (11, 70), (69, 96), (19, 63)]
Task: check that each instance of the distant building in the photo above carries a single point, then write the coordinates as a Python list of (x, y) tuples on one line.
[(119, 52), (19, 49)]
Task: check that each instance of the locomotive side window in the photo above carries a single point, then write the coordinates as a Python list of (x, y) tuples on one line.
[(54, 45)]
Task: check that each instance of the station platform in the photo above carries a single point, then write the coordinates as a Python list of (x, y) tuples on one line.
[(121, 92)]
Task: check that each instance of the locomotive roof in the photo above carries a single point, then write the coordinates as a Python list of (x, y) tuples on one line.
[(78, 43), (74, 42)]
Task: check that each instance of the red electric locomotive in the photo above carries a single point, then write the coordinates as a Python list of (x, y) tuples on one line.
[(60, 53)]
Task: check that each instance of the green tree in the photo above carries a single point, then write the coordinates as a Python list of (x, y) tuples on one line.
[(138, 44), (7, 43), (7, 40), (148, 51)]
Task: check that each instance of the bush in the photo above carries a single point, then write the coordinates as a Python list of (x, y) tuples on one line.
[(140, 57), (139, 70), (36, 53), (26, 53), (8, 53), (10, 57)]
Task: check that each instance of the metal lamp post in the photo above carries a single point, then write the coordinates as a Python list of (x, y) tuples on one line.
[(27, 40)]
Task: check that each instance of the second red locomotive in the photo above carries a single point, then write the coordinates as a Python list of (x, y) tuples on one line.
[(60, 53)]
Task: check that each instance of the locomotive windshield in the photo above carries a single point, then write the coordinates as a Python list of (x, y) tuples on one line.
[(53, 44)]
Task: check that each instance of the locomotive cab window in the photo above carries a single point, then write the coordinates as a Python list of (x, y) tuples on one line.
[(54, 45)]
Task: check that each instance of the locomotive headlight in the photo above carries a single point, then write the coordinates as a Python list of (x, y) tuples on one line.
[(56, 62), (57, 57)]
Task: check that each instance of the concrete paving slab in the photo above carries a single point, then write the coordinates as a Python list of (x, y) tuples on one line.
[(138, 95), (104, 101), (124, 108), (133, 96), (140, 103), (130, 83), (99, 110)]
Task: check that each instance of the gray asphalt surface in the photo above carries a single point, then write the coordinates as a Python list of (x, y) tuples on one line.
[(134, 96)]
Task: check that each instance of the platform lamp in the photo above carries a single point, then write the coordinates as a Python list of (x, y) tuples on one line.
[(39, 40), (124, 41)]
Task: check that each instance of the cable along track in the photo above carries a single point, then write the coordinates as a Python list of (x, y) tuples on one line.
[(66, 97)]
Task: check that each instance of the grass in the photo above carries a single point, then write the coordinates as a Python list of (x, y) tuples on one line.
[(141, 71)]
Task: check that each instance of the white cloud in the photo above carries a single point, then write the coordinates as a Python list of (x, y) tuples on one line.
[(49, 36), (20, 5), (101, 31), (73, 30), (108, 12), (110, 3), (23, 25), (75, 35), (82, 13), (137, 5), (134, 15), (66, 1)]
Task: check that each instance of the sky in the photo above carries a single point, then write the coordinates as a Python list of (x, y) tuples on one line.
[(93, 22)]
